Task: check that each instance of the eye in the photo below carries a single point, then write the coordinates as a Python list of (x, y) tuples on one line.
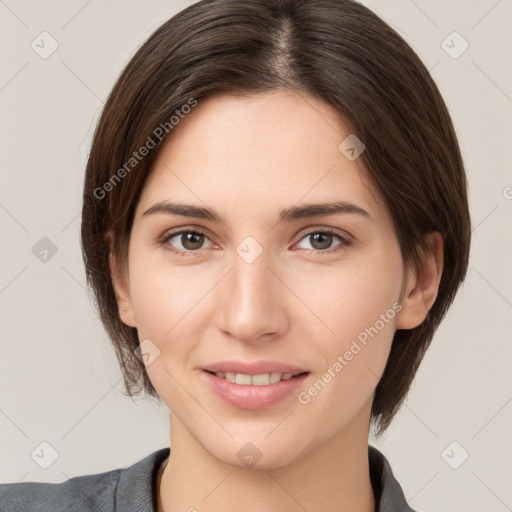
[(321, 241), (186, 241)]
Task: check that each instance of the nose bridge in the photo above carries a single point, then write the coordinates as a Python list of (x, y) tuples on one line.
[(252, 303), (250, 279)]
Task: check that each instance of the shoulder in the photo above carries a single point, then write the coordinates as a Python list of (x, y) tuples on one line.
[(84, 493), (88, 493), (389, 493)]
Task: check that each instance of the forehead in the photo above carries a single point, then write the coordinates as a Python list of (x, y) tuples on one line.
[(271, 149)]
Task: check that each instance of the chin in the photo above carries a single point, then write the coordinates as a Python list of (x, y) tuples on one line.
[(260, 453)]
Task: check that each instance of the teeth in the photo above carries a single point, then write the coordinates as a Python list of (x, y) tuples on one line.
[(240, 378), (262, 379)]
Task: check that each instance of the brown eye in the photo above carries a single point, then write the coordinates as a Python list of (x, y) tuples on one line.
[(192, 241), (322, 241), (186, 241)]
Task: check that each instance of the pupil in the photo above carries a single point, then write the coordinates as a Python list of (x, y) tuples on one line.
[(321, 240), (191, 241)]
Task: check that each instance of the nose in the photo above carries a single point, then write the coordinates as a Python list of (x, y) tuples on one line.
[(252, 301)]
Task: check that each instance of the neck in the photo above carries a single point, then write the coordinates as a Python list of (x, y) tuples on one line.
[(332, 477)]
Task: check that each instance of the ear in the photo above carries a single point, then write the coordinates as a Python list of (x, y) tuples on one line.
[(421, 288), (120, 283)]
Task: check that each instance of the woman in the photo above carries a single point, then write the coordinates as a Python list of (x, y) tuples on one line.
[(274, 224)]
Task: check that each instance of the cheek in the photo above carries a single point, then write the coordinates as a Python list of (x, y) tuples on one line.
[(165, 296), (166, 303), (353, 358), (357, 307), (354, 296), (169, 303)]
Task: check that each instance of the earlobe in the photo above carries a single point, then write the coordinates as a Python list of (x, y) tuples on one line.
[(121, 287), (422, 288)]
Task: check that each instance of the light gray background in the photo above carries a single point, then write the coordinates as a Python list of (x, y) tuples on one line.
[(60, 382)]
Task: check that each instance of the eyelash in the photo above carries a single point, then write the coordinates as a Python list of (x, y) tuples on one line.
[(345, 242)]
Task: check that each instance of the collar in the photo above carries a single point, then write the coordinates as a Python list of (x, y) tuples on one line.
[(136, 488)]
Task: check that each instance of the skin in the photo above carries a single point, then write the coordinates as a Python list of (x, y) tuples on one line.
[(249, 158)]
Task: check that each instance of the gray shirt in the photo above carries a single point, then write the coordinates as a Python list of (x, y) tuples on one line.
[(133, 489)]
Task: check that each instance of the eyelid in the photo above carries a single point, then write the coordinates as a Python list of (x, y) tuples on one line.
[(344, 235), (185, 229)]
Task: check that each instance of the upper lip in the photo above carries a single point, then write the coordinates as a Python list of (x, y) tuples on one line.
[(253, 368)]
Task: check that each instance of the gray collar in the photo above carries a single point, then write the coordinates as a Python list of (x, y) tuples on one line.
[(136, 486), (388, 493)]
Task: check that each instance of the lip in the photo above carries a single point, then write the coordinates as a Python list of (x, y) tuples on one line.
[(253, 368), (252, 397)]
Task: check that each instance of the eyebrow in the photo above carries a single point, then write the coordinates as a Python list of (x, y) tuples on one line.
[(286, 215)]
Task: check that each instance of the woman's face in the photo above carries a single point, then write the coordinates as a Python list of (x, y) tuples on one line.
[(264, 277)]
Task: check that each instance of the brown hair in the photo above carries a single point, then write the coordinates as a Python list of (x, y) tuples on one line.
[(336, 50)]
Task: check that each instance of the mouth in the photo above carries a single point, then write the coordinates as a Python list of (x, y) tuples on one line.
[(254, 391), (261, 379)]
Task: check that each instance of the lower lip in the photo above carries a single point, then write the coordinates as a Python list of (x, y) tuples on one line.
[(253, 397)]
